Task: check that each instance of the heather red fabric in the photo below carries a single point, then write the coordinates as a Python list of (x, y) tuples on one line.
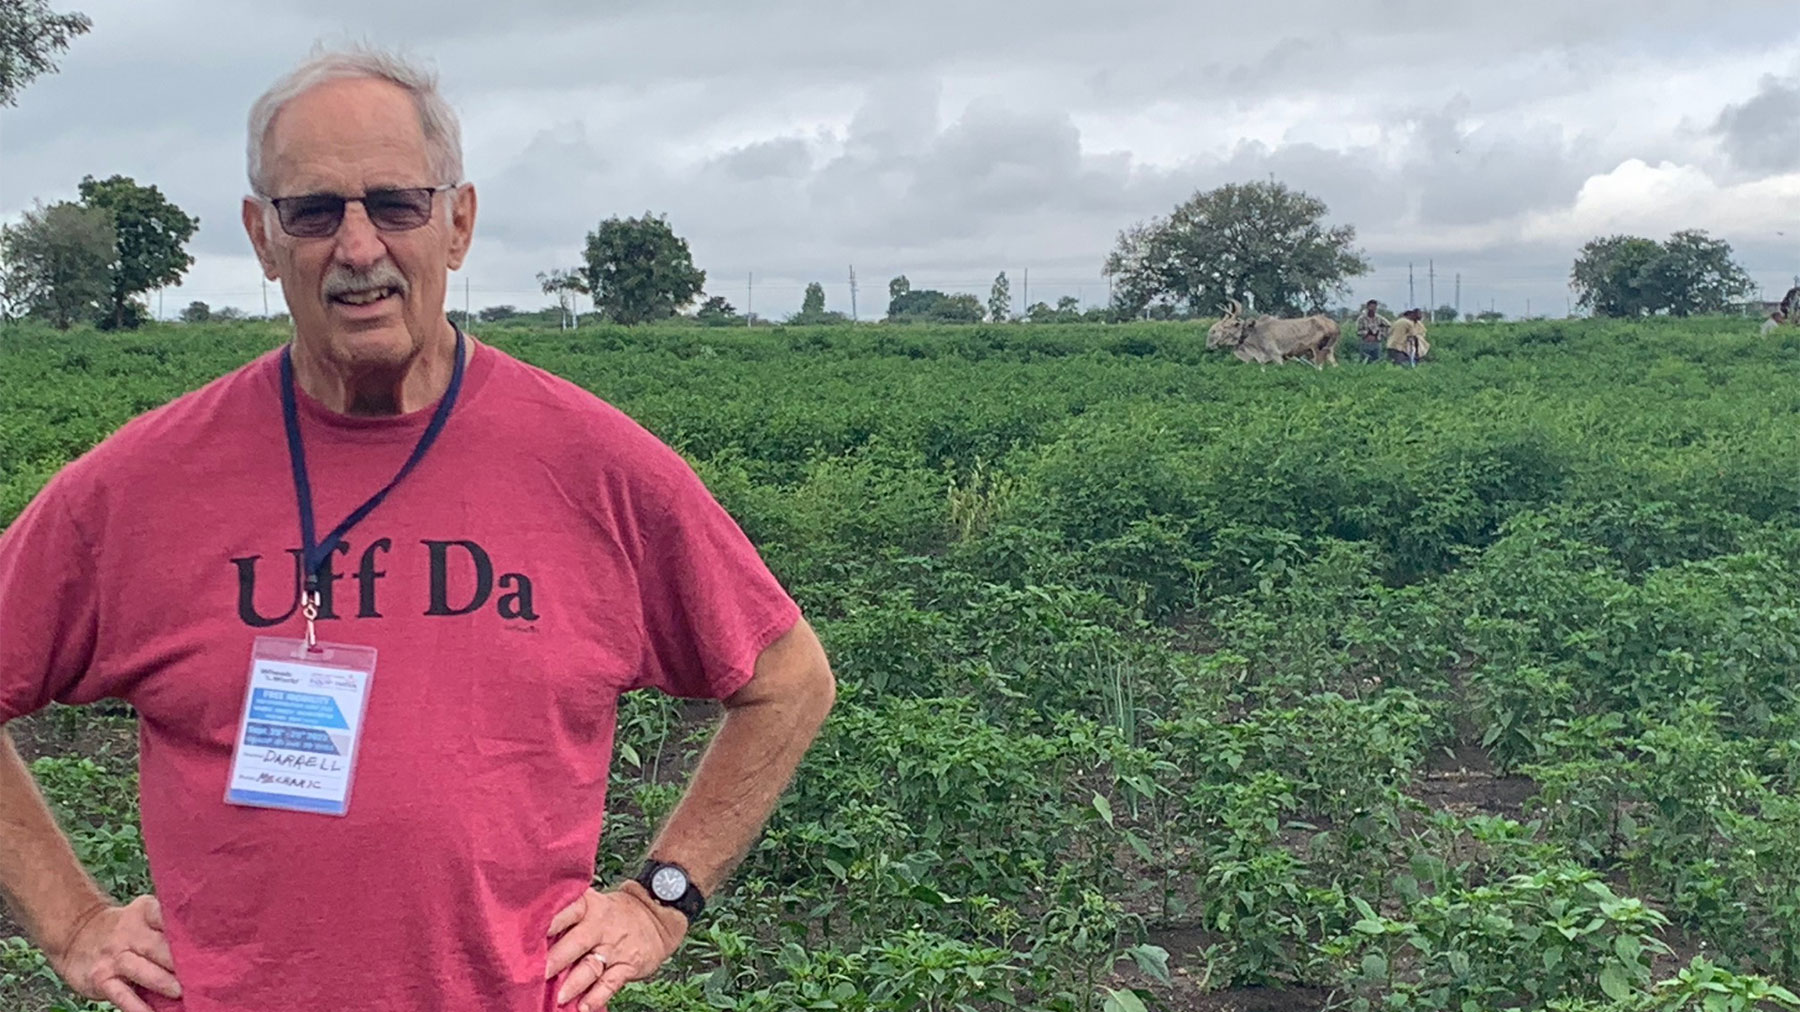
[(547, 555)]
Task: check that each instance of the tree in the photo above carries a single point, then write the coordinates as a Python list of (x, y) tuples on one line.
[(58, 263), (717, 312), (929, 305), (30, 35), (1444, 314), (812, 308), (639, 270), (897, 287), (1624, 275), (196, 312), (152, 236), (494, 314), (1610, 275), (1695, 274), (1261, 240), (565, 285), (1000, 299)]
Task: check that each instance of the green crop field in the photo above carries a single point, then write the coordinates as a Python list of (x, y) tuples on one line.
[(1171, 682)]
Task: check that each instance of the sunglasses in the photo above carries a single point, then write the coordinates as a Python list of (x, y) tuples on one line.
[(317, 215)]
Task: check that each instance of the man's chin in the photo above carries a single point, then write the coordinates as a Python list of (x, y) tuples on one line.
[(373, 347)]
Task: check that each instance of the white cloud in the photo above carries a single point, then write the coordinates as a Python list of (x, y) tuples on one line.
[(1643, 199)]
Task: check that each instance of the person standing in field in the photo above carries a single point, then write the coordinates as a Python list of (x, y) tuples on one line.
[(1371, 330), (1406, 344), (1773, 323), (375, 752)]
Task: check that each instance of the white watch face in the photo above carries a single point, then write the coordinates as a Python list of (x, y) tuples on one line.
[(669, 884)]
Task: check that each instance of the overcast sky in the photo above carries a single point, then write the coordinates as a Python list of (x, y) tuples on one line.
[(792, 139)]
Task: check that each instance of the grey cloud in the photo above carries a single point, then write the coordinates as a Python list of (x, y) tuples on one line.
[(783, 157), (1763, 134), (1462, 176), (939, 137)]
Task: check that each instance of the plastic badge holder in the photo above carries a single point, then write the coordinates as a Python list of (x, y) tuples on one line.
[(301, 727)]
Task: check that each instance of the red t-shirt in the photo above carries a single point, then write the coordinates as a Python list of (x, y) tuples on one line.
[(545, 556)]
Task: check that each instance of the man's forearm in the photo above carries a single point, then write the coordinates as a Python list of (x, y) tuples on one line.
[(43, 883), (766, 730)]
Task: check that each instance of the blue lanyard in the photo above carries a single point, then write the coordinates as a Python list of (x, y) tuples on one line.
[(316, 552)]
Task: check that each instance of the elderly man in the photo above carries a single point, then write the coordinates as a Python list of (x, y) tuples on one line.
[(1775, 321), (513, 554), (1406, 344), (1371, 329)]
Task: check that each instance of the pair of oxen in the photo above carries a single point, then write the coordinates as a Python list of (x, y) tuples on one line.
[(1267, 339)]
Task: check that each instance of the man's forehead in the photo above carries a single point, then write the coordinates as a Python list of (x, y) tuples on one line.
[(347, 132)]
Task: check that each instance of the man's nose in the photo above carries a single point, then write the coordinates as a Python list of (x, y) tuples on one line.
[(358, 240)]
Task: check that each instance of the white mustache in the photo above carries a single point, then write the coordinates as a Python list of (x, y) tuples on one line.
[(345, 280)]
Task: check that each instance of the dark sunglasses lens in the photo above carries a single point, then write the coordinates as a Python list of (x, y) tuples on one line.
[(398, 210), (311, 217)]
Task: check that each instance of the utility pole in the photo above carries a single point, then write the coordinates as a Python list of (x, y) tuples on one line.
[(265, 298), (750, 298), (1025, 299), (1431, 283), (853, 318), (1459, 295), (465, 300), (1412, 299), (1528, 308)]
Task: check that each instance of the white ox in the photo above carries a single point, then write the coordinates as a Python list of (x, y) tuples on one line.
[(1267, 339)]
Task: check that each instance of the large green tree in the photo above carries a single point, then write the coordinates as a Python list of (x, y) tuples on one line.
[(1261, 240), (639, 270), (1000, 299), (1628, 275), (927, 305), (56, 263), (152, 242), (1696, 274), (31, 34), (1611, 275)]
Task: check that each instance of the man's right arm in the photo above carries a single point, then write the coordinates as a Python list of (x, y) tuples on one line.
[(99, 948), (44, 884)]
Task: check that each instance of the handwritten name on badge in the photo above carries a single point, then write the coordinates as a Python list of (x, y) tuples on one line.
[(301, 726)]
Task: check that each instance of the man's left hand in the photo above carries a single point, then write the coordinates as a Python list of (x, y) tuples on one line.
[(631, 932)]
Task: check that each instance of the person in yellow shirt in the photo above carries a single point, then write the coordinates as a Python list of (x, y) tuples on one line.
[(1406, 344)]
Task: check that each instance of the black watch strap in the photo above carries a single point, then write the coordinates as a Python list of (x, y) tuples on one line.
[(691, 902)]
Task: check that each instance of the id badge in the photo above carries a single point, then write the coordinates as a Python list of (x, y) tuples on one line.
[(301, 726)]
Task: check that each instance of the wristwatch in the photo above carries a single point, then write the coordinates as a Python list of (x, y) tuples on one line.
[(669, 885)]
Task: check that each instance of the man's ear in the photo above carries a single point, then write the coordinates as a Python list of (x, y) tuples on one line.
[(462, 224), (256, 225)]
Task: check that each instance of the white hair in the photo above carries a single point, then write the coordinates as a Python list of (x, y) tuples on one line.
[(443, 135)]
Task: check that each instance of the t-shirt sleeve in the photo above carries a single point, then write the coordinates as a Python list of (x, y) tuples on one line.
[(48, 605), (710, 603)]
